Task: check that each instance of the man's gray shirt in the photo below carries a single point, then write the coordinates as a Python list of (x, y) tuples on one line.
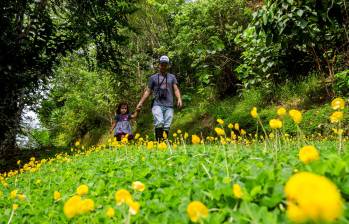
[(167, 83)]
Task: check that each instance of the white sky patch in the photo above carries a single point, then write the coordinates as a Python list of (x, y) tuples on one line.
[(30, 118)]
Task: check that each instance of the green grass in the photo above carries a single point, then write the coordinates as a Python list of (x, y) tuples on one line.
[(172, 181), (199, 114), (315, 120)]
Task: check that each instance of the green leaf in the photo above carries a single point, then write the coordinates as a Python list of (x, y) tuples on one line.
[(300, 12), (256, 190)]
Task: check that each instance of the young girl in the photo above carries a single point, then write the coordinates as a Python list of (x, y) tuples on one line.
[(121, 123)]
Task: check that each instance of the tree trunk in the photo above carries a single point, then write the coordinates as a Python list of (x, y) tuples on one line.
[(10, 115)]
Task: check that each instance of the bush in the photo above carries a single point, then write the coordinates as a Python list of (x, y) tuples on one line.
[(341, 85)]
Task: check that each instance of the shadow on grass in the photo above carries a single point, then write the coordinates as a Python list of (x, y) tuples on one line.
[(24, 156)]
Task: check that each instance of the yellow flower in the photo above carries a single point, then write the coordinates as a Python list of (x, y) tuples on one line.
[(82, 189), (338, 131), (338, 103), (13, 194), (87, 205), (312, 197), (294, 213), (123, 196), (56, 195), (175, 135), (254, 113), (308, 153), (223, 142), (275, 123), (150, 145), (237, 191), (219, 131), (195, 139), (162, 146), (179, 131), (137, 136), (186, 135), (14, 206), (230, 125), (21, 197), (281, 111), (134, 207), (237, 126), (164, 135), (77, 143), (138, 186), (210, 138), (124, 140), (220, 121), (72, 206), (296, 116), (18, 162), (5, 184), (197, 210), (110, 212), (232, 135), (336, 117), (242, 132)]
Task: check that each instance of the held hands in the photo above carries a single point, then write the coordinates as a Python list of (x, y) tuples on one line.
[(139, 107), (179, 103)]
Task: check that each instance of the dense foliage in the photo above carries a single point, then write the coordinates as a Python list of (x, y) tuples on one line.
[(34, 34), (80, 101), (288, 39)]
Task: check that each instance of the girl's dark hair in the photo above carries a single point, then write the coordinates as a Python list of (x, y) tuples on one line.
[(118, 111)]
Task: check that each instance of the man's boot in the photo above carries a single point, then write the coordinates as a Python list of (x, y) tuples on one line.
[(158, 134)]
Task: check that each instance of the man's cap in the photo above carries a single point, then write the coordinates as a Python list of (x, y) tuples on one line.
[(164, 59)]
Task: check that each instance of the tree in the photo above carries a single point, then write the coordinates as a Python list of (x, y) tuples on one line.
[(33, 36), (214, 26), (288, 39), (79, 101)]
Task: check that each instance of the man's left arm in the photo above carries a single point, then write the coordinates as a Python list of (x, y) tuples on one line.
[(178, 95)]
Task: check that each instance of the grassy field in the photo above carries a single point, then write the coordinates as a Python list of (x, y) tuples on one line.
[(230, 177), (172, 178)]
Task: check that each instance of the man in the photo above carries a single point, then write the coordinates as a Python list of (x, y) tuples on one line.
[(163, 85)]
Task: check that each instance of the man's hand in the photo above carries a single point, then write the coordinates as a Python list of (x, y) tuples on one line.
[(139, 107), (144, 97), (179, 103)]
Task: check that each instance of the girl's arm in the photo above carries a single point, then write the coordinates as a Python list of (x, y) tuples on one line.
[(135, 114), (113, 126)]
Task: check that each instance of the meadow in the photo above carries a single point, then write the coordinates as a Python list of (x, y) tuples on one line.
[(229, 177)]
